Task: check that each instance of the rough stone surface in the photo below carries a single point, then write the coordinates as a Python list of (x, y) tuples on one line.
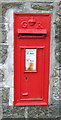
[(4, 36), (42, 6), (6, 59), (0, 36), (5, 96), (13, 112), (18, 112), (0, 18), (7, 111), (1, 75), (58, 52), (3, 1), (58, 29), (3, 53), (44, 111), (1, 111), (10, 5)]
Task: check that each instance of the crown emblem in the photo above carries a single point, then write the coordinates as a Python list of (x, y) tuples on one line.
[(31, 21)]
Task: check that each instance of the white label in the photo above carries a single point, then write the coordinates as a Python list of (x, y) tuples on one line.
[(30, 60)]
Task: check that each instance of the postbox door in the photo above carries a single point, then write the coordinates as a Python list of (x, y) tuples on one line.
[(31, 73)]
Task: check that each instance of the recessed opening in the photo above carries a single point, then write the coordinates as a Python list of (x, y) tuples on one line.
[(26, 78), (30, 34)]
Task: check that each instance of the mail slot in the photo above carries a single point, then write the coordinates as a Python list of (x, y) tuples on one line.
[(31, 58)]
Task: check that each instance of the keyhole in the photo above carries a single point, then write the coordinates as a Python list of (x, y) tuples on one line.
[(26, 78)]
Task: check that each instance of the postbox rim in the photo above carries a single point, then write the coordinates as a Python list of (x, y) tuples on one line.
[(43, 14), (33, 31)]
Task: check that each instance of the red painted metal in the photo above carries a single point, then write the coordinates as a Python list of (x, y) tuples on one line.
[(31, 32)]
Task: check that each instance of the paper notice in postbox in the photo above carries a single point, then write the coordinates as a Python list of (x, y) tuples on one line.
[(30, 64)]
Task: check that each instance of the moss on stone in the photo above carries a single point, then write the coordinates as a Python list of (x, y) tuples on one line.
[(38, 7)]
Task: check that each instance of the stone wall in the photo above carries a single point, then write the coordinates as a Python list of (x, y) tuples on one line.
[(7, 109)]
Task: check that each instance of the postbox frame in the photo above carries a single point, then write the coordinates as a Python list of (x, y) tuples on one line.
[(17, 102)]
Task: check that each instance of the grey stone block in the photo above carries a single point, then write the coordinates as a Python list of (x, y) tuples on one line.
[(4, 35), (13, 112), (1, 113), (0, 36), (8, 5), (35, 111), (0, 78), (18, 112), (0, 98), (42, 6), (2, 26), (58, 29), (5, 1), (0, 18), (58, 52), (7, 112), (5, 96), (3, 53), (44, 111), (0, 9), (1, 75)]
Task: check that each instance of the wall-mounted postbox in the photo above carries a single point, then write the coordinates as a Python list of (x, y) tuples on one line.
[(31, 58)]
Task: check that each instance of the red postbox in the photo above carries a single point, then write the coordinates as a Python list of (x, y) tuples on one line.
[(31, 58)]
